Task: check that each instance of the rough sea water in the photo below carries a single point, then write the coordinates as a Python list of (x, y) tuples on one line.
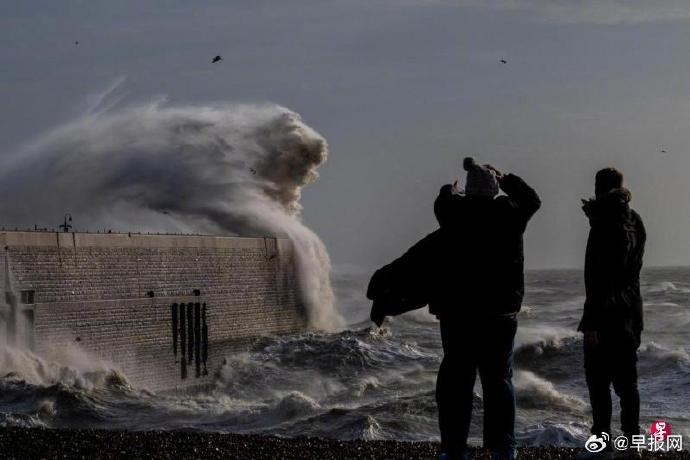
[(239, 169), (368, 383)]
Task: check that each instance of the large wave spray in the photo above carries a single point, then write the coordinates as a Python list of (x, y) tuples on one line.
[(231, 169)]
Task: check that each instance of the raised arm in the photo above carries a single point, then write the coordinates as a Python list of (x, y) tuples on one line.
[(446, 205), (524, 199)]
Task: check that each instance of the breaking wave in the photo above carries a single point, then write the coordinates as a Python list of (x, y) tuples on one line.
[(539, 338), (537, 393), (68, 366), (223, 168), (661, 356)]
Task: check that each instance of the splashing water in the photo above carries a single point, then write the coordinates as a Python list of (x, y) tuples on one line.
[(230, 169), (67, 365)]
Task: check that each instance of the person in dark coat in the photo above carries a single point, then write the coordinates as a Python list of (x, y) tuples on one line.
[(612, 321), (479, 286)]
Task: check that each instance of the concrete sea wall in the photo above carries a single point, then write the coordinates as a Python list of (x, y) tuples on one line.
[(165, 309)]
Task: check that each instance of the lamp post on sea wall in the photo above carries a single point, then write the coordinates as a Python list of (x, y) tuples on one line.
[(65, 227)]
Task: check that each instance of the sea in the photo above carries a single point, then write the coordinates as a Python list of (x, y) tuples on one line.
[(370, 383)]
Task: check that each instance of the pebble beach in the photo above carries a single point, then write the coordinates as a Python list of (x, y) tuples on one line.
[(33, 443)]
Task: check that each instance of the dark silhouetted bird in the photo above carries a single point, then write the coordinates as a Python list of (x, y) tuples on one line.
[(503, 61), (216, 59), (253, 171), (663, 151), (76, 43)]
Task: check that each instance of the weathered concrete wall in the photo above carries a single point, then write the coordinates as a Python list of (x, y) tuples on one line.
[(94, 291)]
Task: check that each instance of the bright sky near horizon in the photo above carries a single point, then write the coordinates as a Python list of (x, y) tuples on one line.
[(402, 90)]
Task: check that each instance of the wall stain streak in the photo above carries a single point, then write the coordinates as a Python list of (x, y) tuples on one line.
[(197, 338), (183, 341), (173, 310), (190, 333), (204, 332)]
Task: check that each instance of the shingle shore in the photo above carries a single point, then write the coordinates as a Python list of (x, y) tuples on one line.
[(32, 443)]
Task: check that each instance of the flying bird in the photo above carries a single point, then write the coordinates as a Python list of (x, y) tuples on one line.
[(503, 61), (76, 43), (216, 59), (253, 171), (663, 151)]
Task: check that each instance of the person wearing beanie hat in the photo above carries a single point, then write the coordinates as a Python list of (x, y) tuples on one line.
[(481, 180), (479, 286), (470, 273)]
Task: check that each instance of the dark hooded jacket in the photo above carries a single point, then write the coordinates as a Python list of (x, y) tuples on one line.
[(482, 266), (472, 264), (613, 262)]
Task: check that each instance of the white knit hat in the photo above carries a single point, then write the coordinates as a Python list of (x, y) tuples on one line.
[(481, 181)]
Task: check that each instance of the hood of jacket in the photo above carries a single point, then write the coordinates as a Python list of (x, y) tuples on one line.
[(612, 205)]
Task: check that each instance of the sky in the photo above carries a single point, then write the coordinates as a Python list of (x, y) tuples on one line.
[(402, 90)]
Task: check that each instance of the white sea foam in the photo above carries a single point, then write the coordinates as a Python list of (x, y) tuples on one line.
[(67, 365), (659, 354), (667, 286), (538, 337), (554, 434)]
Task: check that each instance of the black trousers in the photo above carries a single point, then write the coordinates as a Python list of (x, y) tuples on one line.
[(471, 345), (607, 364)]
